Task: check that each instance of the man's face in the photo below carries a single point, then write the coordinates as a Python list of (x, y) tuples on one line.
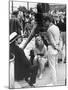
[(46, 23), (19, 40)]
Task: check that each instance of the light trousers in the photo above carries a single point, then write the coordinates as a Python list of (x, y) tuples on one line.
[(52, 58)]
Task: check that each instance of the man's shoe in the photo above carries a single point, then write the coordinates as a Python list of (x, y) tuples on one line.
[(31, 83)]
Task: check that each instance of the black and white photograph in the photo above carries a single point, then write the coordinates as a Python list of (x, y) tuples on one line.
[(37, 44)]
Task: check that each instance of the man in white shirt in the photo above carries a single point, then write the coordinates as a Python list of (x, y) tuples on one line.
[(53, 47)]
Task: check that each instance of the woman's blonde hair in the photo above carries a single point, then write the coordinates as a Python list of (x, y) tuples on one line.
[(37, 44)]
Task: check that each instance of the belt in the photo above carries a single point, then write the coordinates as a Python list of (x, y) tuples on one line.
[(40, 54)]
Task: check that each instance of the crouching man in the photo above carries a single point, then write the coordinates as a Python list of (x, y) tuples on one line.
[(22, 67)]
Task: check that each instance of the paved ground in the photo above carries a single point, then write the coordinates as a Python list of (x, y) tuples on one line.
[(46, 76)]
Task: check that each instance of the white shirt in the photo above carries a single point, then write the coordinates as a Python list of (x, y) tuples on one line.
[(54, 34)]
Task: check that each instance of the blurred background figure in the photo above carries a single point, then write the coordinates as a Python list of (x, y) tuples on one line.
[(14, 25)]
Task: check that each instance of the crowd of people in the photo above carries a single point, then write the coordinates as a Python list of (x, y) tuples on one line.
[(23, 19), (26, 19), (48, 42)]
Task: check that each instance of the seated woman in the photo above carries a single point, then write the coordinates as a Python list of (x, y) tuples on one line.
[(40, 52)]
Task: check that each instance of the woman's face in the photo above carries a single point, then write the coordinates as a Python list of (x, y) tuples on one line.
[(39, 41)]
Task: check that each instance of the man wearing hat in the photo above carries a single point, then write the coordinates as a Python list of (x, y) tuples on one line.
[(22, 67)]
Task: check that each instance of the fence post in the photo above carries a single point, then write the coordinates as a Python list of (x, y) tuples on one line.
[(28, 5), (12, 6)]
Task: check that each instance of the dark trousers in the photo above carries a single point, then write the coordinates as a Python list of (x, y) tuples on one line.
[(32, 73)]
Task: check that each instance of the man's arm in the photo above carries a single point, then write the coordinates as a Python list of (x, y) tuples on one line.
[(30, 36)]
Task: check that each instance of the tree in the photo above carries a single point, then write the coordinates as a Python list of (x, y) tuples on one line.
[(43, 7), (23, 9)]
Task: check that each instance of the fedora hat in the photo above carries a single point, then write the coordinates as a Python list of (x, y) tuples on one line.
[(13, 36)]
